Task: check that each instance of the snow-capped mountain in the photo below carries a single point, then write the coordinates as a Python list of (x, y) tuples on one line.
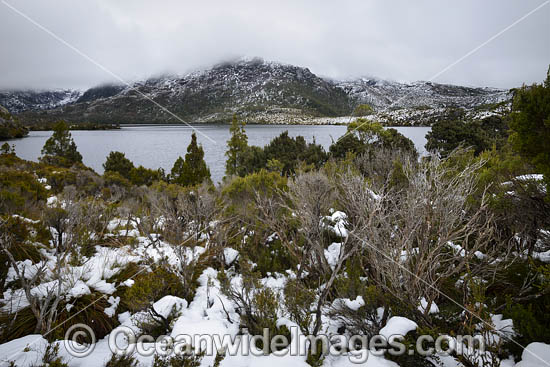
[(29, 100), (383, 94), (259, 91)]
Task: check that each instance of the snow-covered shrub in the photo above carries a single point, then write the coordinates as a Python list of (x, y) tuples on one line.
[(257, 305), (179, 360)]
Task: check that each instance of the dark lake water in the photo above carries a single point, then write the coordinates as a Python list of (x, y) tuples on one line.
[(160, 145)]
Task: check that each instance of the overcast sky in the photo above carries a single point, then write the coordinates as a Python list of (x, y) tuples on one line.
[(399, 40)]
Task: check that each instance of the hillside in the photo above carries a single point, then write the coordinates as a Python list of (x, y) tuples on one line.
[(30, 100), (9, 127), (261, 92)]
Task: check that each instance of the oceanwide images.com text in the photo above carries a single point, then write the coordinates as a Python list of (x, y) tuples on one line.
[(358, 348)]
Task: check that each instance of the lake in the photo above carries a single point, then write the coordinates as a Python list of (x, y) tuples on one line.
[(156, 146)]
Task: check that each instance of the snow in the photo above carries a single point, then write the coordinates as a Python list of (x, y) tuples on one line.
[(353, 305), (104, 287), (332, 254), (542, 256), (503, 325), (230, 255), (336, 223), (167, 303), (79, 289), (457, 248), (398, 325), (25, 351), (503, 328), (424, 305), (530, 177), (113, 301), (51, 201), (534, 355)]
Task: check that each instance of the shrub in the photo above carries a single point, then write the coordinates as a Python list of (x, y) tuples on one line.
[(299, 302), (149, 287), (20, 192), (121, 360), (258, 306), (179, 360), (51, 357), (144, 176), (89, 310), (362, 110)]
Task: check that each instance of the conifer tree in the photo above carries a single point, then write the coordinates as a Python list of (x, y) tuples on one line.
[(60, 148), (237, 148), (117, 162), (193, 170), (530, 124)]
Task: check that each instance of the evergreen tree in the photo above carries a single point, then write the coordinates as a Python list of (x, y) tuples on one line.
[(530, 125), (178, 171), (60, 148), (364, 135), (237, 149), (117, 162), (192, 170)]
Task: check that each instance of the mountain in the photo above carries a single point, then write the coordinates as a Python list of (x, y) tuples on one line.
[(383, 94), (262, 91), (29, 100)]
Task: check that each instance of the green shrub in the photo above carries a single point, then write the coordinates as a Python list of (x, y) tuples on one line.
[(144, 176), (16, 325), (51, 357), (179, 360), (19, 191), (151, 286), (121, 360), (299, 302), (88, 309)]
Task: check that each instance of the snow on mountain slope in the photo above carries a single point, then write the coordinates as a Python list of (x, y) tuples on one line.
[(383, 94), (257, 90), (29, 100)]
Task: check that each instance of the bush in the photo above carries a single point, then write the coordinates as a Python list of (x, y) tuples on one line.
[(362, 110), (51, 357), (89, 310), (179, 360), (20, 191), (121, 360), (144, 176), (149, 287), (257, 305)]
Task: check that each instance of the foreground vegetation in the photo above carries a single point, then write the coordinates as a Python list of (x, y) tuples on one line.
[(332, 242)]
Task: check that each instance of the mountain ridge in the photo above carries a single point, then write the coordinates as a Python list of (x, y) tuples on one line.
[(259, 91)]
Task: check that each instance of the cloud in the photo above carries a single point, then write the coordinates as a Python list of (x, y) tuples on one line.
[(398, 40)]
